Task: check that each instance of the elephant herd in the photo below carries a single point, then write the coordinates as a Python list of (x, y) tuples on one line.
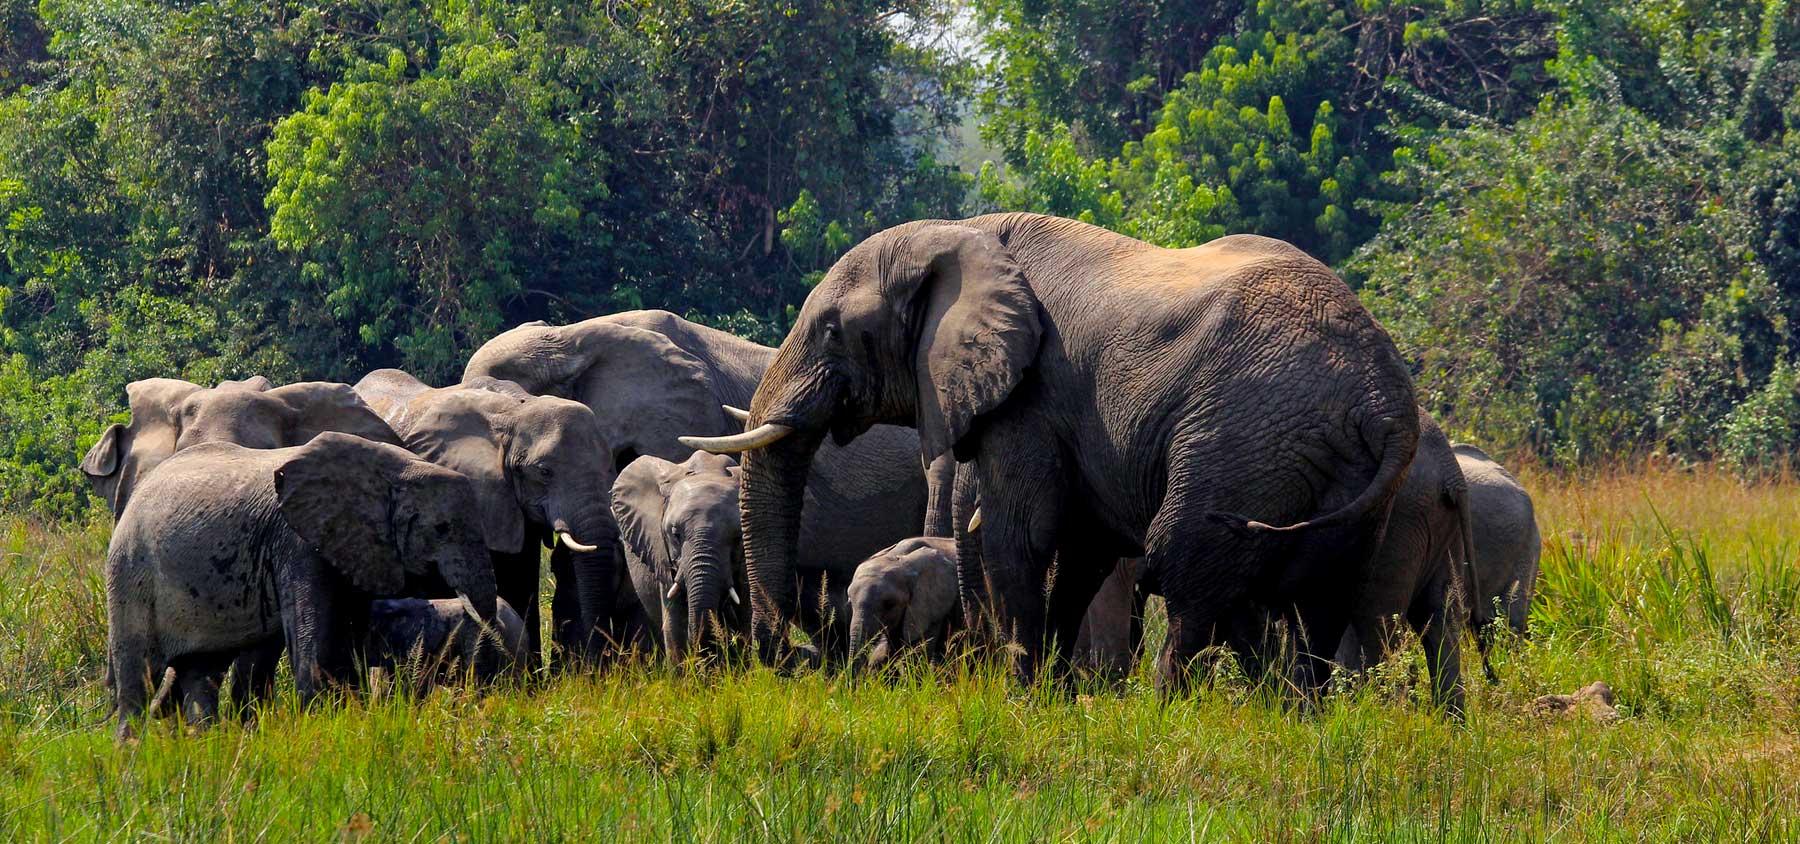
[(977, 425)]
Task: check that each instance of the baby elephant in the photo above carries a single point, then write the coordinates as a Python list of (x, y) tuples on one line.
[(904, 595), (445, 636), (1507, 546)]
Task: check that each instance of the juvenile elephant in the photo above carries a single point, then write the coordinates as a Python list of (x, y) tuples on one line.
[(651, 377), (679, 523), (442, 636), (904, 595), (227, 548), (542, 472), (1507, 547), (1418, 573), (168, 414), (1116, 399)]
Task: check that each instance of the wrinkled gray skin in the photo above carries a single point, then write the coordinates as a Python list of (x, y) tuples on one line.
[(1507, 546), (651, 377), (902, 596), (227, 548), (1117, 400), (540, 468), (1417, 575), (679, 523), (168, 414), (441, 637)]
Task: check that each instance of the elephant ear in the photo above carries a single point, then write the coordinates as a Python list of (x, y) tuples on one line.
[(103, 458), (149, 439), (934, 590), (337, 494), (638, 496), (465, 431), (975, 323), (320, 406)]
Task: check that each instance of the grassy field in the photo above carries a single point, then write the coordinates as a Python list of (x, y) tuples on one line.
[(1681, 590)]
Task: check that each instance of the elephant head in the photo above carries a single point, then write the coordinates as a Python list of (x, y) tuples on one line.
[(928, 325), (902, 595), (540, 468), (644, 389), (376, 512), (168, 415), (679, 522)]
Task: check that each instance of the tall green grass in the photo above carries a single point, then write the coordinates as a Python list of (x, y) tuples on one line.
[(1679, 590)]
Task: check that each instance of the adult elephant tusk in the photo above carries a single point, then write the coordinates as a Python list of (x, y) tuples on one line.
[(569, 541), (731, 592), (674, 588), (768, 433), (737, 413), (975, 520)]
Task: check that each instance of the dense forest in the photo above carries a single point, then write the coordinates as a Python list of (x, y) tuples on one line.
[(1580, 218)]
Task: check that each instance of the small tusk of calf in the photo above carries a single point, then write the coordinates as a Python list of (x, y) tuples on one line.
[(975, 520), (731, 592), (674, 588)]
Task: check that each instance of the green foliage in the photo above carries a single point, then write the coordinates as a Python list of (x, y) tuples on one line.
[(1760, 434), (1613, 273), (315, 188), (1272, 130)]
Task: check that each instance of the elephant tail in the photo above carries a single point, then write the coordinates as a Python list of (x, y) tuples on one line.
[(1398, 442)]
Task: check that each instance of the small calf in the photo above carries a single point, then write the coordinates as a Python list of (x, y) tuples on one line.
[(437, 638)]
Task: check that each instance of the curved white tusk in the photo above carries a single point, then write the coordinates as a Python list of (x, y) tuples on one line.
[(737, 413), (731, 592), (569, 541), (673, 589), (762, 435), (975, 520)]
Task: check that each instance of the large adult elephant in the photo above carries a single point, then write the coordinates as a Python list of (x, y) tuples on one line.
[(1118, 400), (651, 377), (543, 474), (169, 414)]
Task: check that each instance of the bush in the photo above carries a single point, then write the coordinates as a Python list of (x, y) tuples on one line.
[(1761, 432)]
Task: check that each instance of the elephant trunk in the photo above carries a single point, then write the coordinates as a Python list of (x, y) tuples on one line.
[(772, 493), (865, 625), (596, 570), (704, 590)]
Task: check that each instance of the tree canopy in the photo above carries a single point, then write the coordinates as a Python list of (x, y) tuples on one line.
[(1581, 219)]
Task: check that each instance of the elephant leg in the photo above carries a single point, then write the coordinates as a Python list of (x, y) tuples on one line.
[(823, 614), (253, 676), (1080, 572), (516, 581), (1441, 637), (198, 678), (565, 607), (1021, 501), (1202, 568)]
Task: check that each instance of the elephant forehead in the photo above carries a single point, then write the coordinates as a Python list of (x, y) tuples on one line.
[(703, 499)]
